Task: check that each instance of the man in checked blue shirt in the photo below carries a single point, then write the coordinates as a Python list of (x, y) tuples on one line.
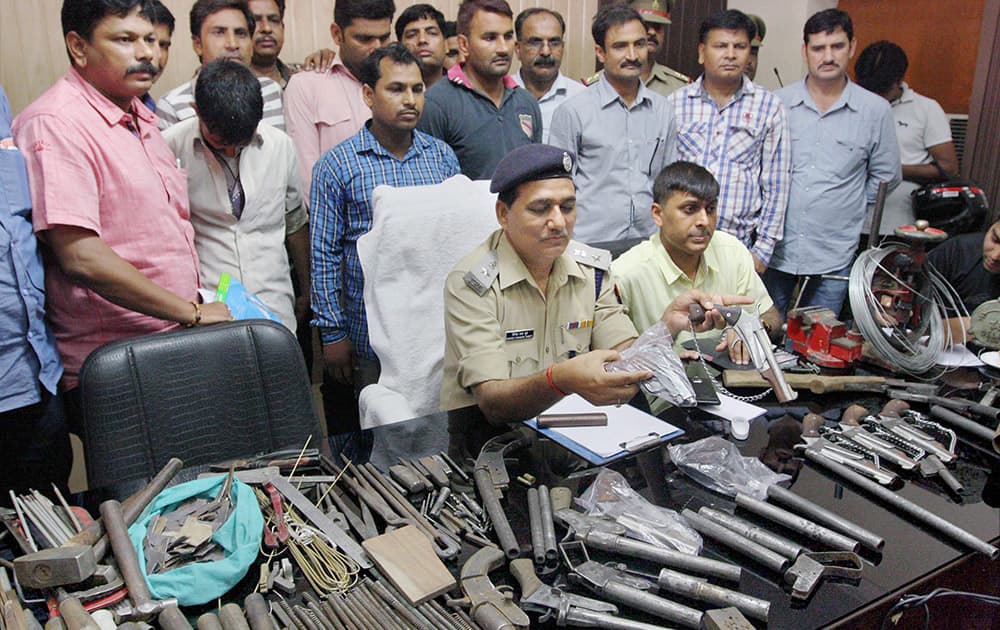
[(388, 150), (843, 146), (34, 449), (739, 132)]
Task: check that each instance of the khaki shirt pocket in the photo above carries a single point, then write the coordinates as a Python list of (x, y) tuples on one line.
[(522, 355), (573, 341)]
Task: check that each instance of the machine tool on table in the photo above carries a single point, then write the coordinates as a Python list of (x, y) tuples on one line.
[(821, 338)]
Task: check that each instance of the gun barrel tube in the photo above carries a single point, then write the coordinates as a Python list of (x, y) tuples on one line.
[(501, 526), (759, 535), (956, 419), (647, 602), (680, 584), (820, 514), (794, 522), (583, 618), (535, 525), (548, 526), (666, 557), (731, 539), (906, 506)]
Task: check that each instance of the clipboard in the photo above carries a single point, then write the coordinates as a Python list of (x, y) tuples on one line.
[(629, 429)]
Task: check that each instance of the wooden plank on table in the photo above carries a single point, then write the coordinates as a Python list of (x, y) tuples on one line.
[(407, 559)]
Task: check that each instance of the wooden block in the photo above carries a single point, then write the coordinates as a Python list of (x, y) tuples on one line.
[(407, 559)]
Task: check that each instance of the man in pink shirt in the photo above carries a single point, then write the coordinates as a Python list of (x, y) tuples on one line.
[(110, 203), (322, 109)]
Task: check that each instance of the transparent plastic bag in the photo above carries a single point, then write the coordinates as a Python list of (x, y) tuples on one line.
[(612, 497), (654, 351), (718, 465)]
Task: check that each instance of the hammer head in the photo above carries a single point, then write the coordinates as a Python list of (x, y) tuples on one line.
[(58, 566)]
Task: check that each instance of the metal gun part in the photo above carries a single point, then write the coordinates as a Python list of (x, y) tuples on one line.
[(665, 557), (796, 523), (825, 449), (902, 504), (491, 607), (931, 466), (548, 526), (535, 526), (491, 478), (734, 541), (759, 535), (955, 404), (750, 330), (620, 587), (958, 420), (811, 567), (885, 448), (913, 435), (824, 516), (726, 619)]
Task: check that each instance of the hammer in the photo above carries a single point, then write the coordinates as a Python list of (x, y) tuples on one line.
[(77, 559), (169, 615)]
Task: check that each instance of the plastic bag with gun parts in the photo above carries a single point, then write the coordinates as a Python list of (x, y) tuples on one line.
[(654, 351), (611, 496), (717, 464)]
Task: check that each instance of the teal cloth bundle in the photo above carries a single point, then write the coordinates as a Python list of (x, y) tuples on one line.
[(239, 537)]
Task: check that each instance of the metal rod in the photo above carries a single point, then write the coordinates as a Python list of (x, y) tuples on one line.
[(535, 526), (796, 523), (904, 505), (336, 604), (731, 539), (680, 584), (77, 525), (411, 614), (24, 523), (666, 557), (958, 420), (875, 232), (548, 526), (759, 535), (820, 514), (647, 602)]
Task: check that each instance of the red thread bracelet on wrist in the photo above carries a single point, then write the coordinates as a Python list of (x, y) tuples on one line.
[(552, 383)]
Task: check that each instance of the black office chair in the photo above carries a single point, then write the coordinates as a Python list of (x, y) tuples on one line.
[(202, 394)]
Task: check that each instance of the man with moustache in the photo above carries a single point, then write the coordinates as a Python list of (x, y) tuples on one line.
[(532, 316), (480, 111), (326, 108), (220, 28), (421, 29), (539, 47), (388, 150), (268, 39), (109, 202), (739, 132), (656, 76), (843, 146), (163, 26), (622, 133)]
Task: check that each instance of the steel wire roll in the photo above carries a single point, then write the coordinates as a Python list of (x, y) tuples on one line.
[(899, 346)]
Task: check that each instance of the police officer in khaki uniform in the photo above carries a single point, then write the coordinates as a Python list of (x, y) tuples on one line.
[(755, 44), (531, 315), (657, 77)]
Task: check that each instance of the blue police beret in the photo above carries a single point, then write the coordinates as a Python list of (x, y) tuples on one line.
[(529, 163)]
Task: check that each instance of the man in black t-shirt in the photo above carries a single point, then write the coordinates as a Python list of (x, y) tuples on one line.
[(971, 264)]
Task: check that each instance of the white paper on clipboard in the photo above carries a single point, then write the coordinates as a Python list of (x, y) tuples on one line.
[(626, 425)]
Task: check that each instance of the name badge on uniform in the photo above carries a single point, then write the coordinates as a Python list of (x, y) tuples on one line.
[(516, 335), (583, 323)]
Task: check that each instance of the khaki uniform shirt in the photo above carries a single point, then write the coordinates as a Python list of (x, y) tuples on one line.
[(511, 331), (662, 79)]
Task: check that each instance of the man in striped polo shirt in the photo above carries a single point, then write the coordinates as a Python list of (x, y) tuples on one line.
[(220, 28)]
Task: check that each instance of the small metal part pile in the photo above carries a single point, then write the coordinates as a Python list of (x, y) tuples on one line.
[(184, 535)]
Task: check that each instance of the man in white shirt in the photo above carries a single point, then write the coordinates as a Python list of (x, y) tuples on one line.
[(540, 47), (243, 186)]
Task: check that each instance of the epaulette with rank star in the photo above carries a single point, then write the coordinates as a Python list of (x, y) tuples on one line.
[(590, 256)]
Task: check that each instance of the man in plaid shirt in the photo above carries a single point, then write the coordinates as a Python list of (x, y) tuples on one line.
[(739, 132)]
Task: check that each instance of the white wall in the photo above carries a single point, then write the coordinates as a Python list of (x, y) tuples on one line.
[(782, 47)]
